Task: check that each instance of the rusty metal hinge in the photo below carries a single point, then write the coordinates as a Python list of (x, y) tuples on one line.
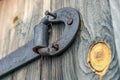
[(70, 18), (39, 44)]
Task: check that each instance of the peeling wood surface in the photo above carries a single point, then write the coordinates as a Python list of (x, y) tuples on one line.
[(18, 18)]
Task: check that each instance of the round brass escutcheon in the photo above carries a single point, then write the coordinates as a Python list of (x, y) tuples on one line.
[(99, 57)]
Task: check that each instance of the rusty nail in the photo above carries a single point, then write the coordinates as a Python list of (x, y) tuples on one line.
[(55, 46), (40, 50), (35, 49), (70, 21), (51, 14)]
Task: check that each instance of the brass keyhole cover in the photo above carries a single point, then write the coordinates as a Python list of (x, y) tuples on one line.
[(99, 57)]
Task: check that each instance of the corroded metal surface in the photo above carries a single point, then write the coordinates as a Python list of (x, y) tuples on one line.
[(70, 18), (17, 58)]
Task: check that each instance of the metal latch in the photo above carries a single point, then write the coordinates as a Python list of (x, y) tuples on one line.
[(39, 44), (70, 18)]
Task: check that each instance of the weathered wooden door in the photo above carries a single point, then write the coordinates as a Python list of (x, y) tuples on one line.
[(18, 18)]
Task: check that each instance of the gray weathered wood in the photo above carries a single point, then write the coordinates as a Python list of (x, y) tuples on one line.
[(115, 12), (96, 24)]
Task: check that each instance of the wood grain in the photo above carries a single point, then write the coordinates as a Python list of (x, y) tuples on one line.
[(115, 10), (17, 19)]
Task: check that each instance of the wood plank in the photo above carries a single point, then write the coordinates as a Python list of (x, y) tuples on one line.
[(97, 26), (115, 12), (19, 31)]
